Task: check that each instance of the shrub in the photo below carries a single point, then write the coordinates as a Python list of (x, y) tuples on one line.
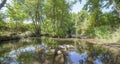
[(90, 32), (102, 32), (116, 36)]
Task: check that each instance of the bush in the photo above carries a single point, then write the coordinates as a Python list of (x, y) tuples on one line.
[(90, 32), (103, 32), (116, 36)]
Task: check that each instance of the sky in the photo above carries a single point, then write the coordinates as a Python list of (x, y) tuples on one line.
[(78, 6), (75, 9)]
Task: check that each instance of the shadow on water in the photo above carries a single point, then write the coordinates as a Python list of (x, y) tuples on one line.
[(48, 51)]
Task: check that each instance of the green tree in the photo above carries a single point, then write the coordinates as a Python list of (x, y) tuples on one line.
[(82, 22), (17, 14), (58, 16), (35, 10), (2, 23), (116, 4), (28, 10)]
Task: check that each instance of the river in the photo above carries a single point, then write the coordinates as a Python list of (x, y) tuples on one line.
[(49, 51)]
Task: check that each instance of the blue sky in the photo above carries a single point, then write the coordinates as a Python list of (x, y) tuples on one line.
[(78, 6), (75, 9)]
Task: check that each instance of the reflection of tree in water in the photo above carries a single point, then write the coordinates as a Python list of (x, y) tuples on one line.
[(50, 57), (51, 53), (104, 54)]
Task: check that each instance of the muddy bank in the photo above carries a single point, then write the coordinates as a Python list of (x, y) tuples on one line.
[(7, 36), (112, 46)]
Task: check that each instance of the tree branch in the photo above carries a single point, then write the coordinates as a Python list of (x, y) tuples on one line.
[(3, 3), (116, 7)]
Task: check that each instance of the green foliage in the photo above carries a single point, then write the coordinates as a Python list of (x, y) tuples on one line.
[(16, 12), (2, 25), (102, 32), (81, 22), (17, 26), (101, 51), (0, 33), (32, 10), (53, 17), (58, 19), (115, 36), (90, 32), (109, 19), (61, 31)]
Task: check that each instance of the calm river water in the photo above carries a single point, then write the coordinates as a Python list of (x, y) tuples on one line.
[(49, 51)]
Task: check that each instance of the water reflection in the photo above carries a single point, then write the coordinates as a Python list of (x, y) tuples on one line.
[(48, 51), (76, 58)]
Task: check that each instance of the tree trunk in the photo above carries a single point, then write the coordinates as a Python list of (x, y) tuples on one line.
[(3, 3)]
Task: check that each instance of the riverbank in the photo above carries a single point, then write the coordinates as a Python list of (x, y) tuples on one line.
[(110, 45), (7, 36)]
